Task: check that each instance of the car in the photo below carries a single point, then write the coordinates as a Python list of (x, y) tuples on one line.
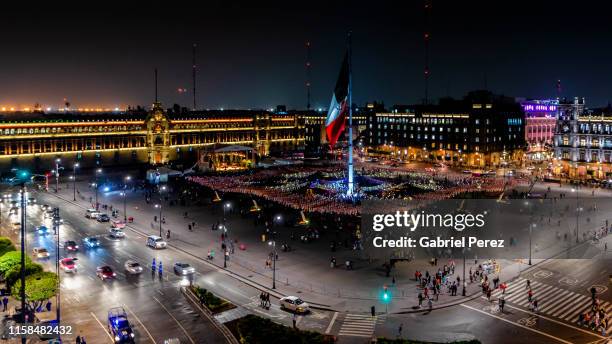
[(42, 230), (156, 242), (48, 214), (119, 326), (91, 213), (13, 211), (116, 233), (295, 304), (105, 272), (31, 200), (132, 267), (91, 242), (40, 252), (117, 224), (45, 207), (103, 218), (71, 245), (68, 265), (183, 269)]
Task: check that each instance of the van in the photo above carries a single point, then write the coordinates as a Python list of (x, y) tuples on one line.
[(155, 242)]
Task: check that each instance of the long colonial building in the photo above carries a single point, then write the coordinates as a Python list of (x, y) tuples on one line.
[(155, 137)]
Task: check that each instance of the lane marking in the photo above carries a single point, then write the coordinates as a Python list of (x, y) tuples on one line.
[(331, 323), (140, 322), (519, 325), (103, 328), (182, 328)]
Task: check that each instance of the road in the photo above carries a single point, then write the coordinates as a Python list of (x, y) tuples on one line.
[(158, 311)]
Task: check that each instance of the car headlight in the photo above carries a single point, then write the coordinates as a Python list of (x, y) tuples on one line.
[(114, 274), (117, 338), (132, 334)]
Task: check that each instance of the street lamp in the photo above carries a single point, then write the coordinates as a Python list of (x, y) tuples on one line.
[(124, 194), (98, 172), (531, 227), (74, 167), (160, 219), (57, 167), (577, 214), (273, 244)]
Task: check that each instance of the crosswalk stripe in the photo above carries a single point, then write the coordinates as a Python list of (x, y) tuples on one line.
[(561, 307), (565, 294), (545, 294), (565, 307), (576, 308), (359, 325), (509, 287), (577, 311)]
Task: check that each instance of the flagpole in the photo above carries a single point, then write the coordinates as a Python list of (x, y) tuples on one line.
[(350, 190)]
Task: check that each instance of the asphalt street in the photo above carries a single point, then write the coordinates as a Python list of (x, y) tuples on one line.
[(158, 311)]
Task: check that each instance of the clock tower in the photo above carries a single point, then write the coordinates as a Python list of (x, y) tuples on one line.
[(158, 136)]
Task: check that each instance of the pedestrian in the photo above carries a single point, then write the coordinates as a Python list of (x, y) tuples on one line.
[(189, 227), (160, 270), (78, 339), (294, 321), (502, 302), (261, 299), (420, 296), (83, 340), (5, 301), (153, 265), (429, 304), (399, 330), (528, 285), (393, 280), (489, 295), (535, 305), (268, 303)]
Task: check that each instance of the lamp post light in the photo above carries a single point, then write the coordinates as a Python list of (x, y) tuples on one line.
[(226, 207), (273, 244), (531, 227), (577, 215), (124, 194), (74, 168), (57, 167), (98, 172)]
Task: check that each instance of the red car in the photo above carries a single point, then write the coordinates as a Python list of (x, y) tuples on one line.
[(70, 245), (105, 272), (68, 265)]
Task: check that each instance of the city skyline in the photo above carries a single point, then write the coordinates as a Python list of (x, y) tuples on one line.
[(238, 67)]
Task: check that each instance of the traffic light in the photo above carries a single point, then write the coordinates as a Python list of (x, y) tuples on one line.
[(386, 295)]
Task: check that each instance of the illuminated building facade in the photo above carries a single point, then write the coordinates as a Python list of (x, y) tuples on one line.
[(583, 142), (540, 125), (480, 130), (154, 137)]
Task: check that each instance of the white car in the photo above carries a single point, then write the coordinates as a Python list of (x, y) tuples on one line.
[(116, 233), (40, 252), (183, 269), (294, 304), (92, 213), (132, 267)]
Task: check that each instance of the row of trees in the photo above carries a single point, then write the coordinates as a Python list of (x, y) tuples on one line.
[(40, 285)]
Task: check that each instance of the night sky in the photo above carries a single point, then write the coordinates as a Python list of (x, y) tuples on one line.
[(252, 54)]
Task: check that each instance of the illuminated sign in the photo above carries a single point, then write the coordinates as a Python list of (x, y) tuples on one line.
[(530, 107)]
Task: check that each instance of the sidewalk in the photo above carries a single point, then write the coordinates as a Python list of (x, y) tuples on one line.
[(303, 272)]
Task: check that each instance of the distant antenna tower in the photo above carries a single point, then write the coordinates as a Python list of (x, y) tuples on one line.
[(307, 75), (426, 37), (559, 88), (193, 74), (156, 85)]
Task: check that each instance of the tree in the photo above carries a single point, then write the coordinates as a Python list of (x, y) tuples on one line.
[(6, 246), (14, 273), (39, 288), (9, 260)]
